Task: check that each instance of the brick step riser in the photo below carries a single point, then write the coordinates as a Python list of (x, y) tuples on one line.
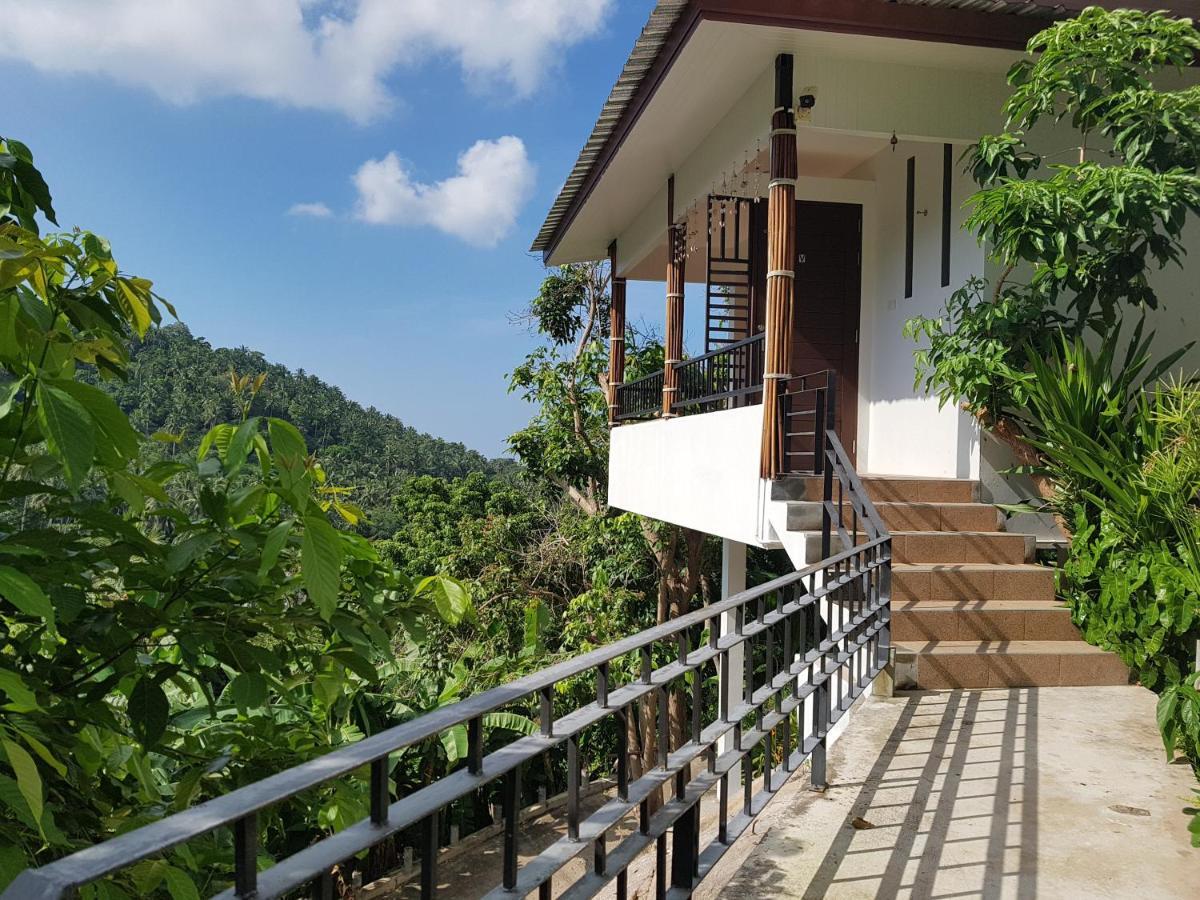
[(951, 548), (805, 515), (1035, 586), (926, 671), (983, 625), (931, 490)]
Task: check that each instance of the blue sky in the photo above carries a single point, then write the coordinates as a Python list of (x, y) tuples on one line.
[(187, 146)]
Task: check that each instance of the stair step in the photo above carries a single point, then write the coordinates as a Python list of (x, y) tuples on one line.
[(962, 547), (805, 515), (972, 582), (940, 665), (885, 488), (950, 547), (934, 620)]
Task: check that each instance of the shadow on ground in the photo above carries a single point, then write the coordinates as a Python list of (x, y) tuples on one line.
[(948, 809)]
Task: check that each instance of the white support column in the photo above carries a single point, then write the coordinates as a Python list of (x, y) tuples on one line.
[(733, 581)]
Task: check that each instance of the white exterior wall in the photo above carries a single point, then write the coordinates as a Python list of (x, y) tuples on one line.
[(698, 471), (906, 432)]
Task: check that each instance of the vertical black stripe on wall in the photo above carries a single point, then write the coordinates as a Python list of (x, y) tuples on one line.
[(909, 225), (947, 179)]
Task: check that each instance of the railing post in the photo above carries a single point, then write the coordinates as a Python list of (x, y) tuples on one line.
[(673, 337), (822, 448)]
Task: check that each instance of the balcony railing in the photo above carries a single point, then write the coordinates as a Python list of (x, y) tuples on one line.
[(641, 399), (811, 641), (721, 379)]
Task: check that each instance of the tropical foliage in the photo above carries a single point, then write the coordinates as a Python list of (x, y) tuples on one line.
[(179, 384), (172, 626), (1052, 355)]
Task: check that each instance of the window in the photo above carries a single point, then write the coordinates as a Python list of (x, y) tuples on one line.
[(947, 187), (909, 225)]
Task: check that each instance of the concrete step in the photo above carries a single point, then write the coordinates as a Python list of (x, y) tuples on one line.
[(949, 547), (885, 488), (1002, 620), (805, 515), (939, 665), (972, 582)]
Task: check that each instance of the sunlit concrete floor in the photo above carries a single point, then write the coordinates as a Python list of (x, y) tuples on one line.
[(1051, 792)]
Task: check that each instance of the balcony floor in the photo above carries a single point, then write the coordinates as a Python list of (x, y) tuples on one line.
[(1050, 792)]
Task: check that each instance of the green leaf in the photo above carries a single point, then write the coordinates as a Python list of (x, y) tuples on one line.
[(1164, 713), (148, 710), (450, 598), (20, 697), (239, 445), (22, 592), (69, 432), (454, 742), (247, 691), (508, 721), (321, 564), (103, 409), (13, 862), (8, 394), (29, 781), (273, 545), (180, 885), (287, 444)]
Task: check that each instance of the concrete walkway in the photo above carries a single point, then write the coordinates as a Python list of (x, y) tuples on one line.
[(1031, 792)]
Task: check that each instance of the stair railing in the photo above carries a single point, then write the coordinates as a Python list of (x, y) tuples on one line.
[(807, 410), (810, 643)]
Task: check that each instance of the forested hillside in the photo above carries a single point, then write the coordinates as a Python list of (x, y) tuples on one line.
[(180, 384)]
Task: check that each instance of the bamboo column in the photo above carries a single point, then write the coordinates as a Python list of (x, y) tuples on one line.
[(781, 257), (673, 338), (616, 337)]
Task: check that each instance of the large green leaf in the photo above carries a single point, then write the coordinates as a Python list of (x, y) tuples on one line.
[(148, 710), (22, 592), (20, 697), (273, 545), (69, 431), (451, 599), (321, 564), (29, 781), (247, 691), (454, 742), (112, 421)]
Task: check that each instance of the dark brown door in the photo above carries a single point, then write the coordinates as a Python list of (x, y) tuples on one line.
[(827, 302)]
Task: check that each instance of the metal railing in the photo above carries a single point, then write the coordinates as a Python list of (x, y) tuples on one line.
[(720, 379), (807, 410), (811, 641), (723, 378), (641, 399)]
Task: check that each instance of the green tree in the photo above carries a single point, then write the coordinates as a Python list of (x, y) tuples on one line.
[(171, 626), (567, 443), (1089, 233)]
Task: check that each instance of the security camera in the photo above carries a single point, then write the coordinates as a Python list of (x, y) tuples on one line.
[(807, 101)]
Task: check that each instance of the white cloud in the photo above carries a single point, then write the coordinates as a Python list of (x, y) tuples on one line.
[(480, 204), (316, 210), (322, 54)]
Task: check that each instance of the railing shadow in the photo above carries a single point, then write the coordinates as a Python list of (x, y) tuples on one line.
[(948, 809)]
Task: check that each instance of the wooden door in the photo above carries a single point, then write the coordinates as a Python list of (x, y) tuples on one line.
[(828, 302)]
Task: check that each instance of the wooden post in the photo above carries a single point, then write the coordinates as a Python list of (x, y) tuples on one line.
[(616, 337), (673, 338), (781, 254)]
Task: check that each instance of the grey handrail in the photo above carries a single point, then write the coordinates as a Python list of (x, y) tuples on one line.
[(837, 656)]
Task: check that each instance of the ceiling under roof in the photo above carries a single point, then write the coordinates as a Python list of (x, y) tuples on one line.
[(667, 13)]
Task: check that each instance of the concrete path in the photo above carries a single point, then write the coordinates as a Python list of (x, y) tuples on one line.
[(1030, 792)]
